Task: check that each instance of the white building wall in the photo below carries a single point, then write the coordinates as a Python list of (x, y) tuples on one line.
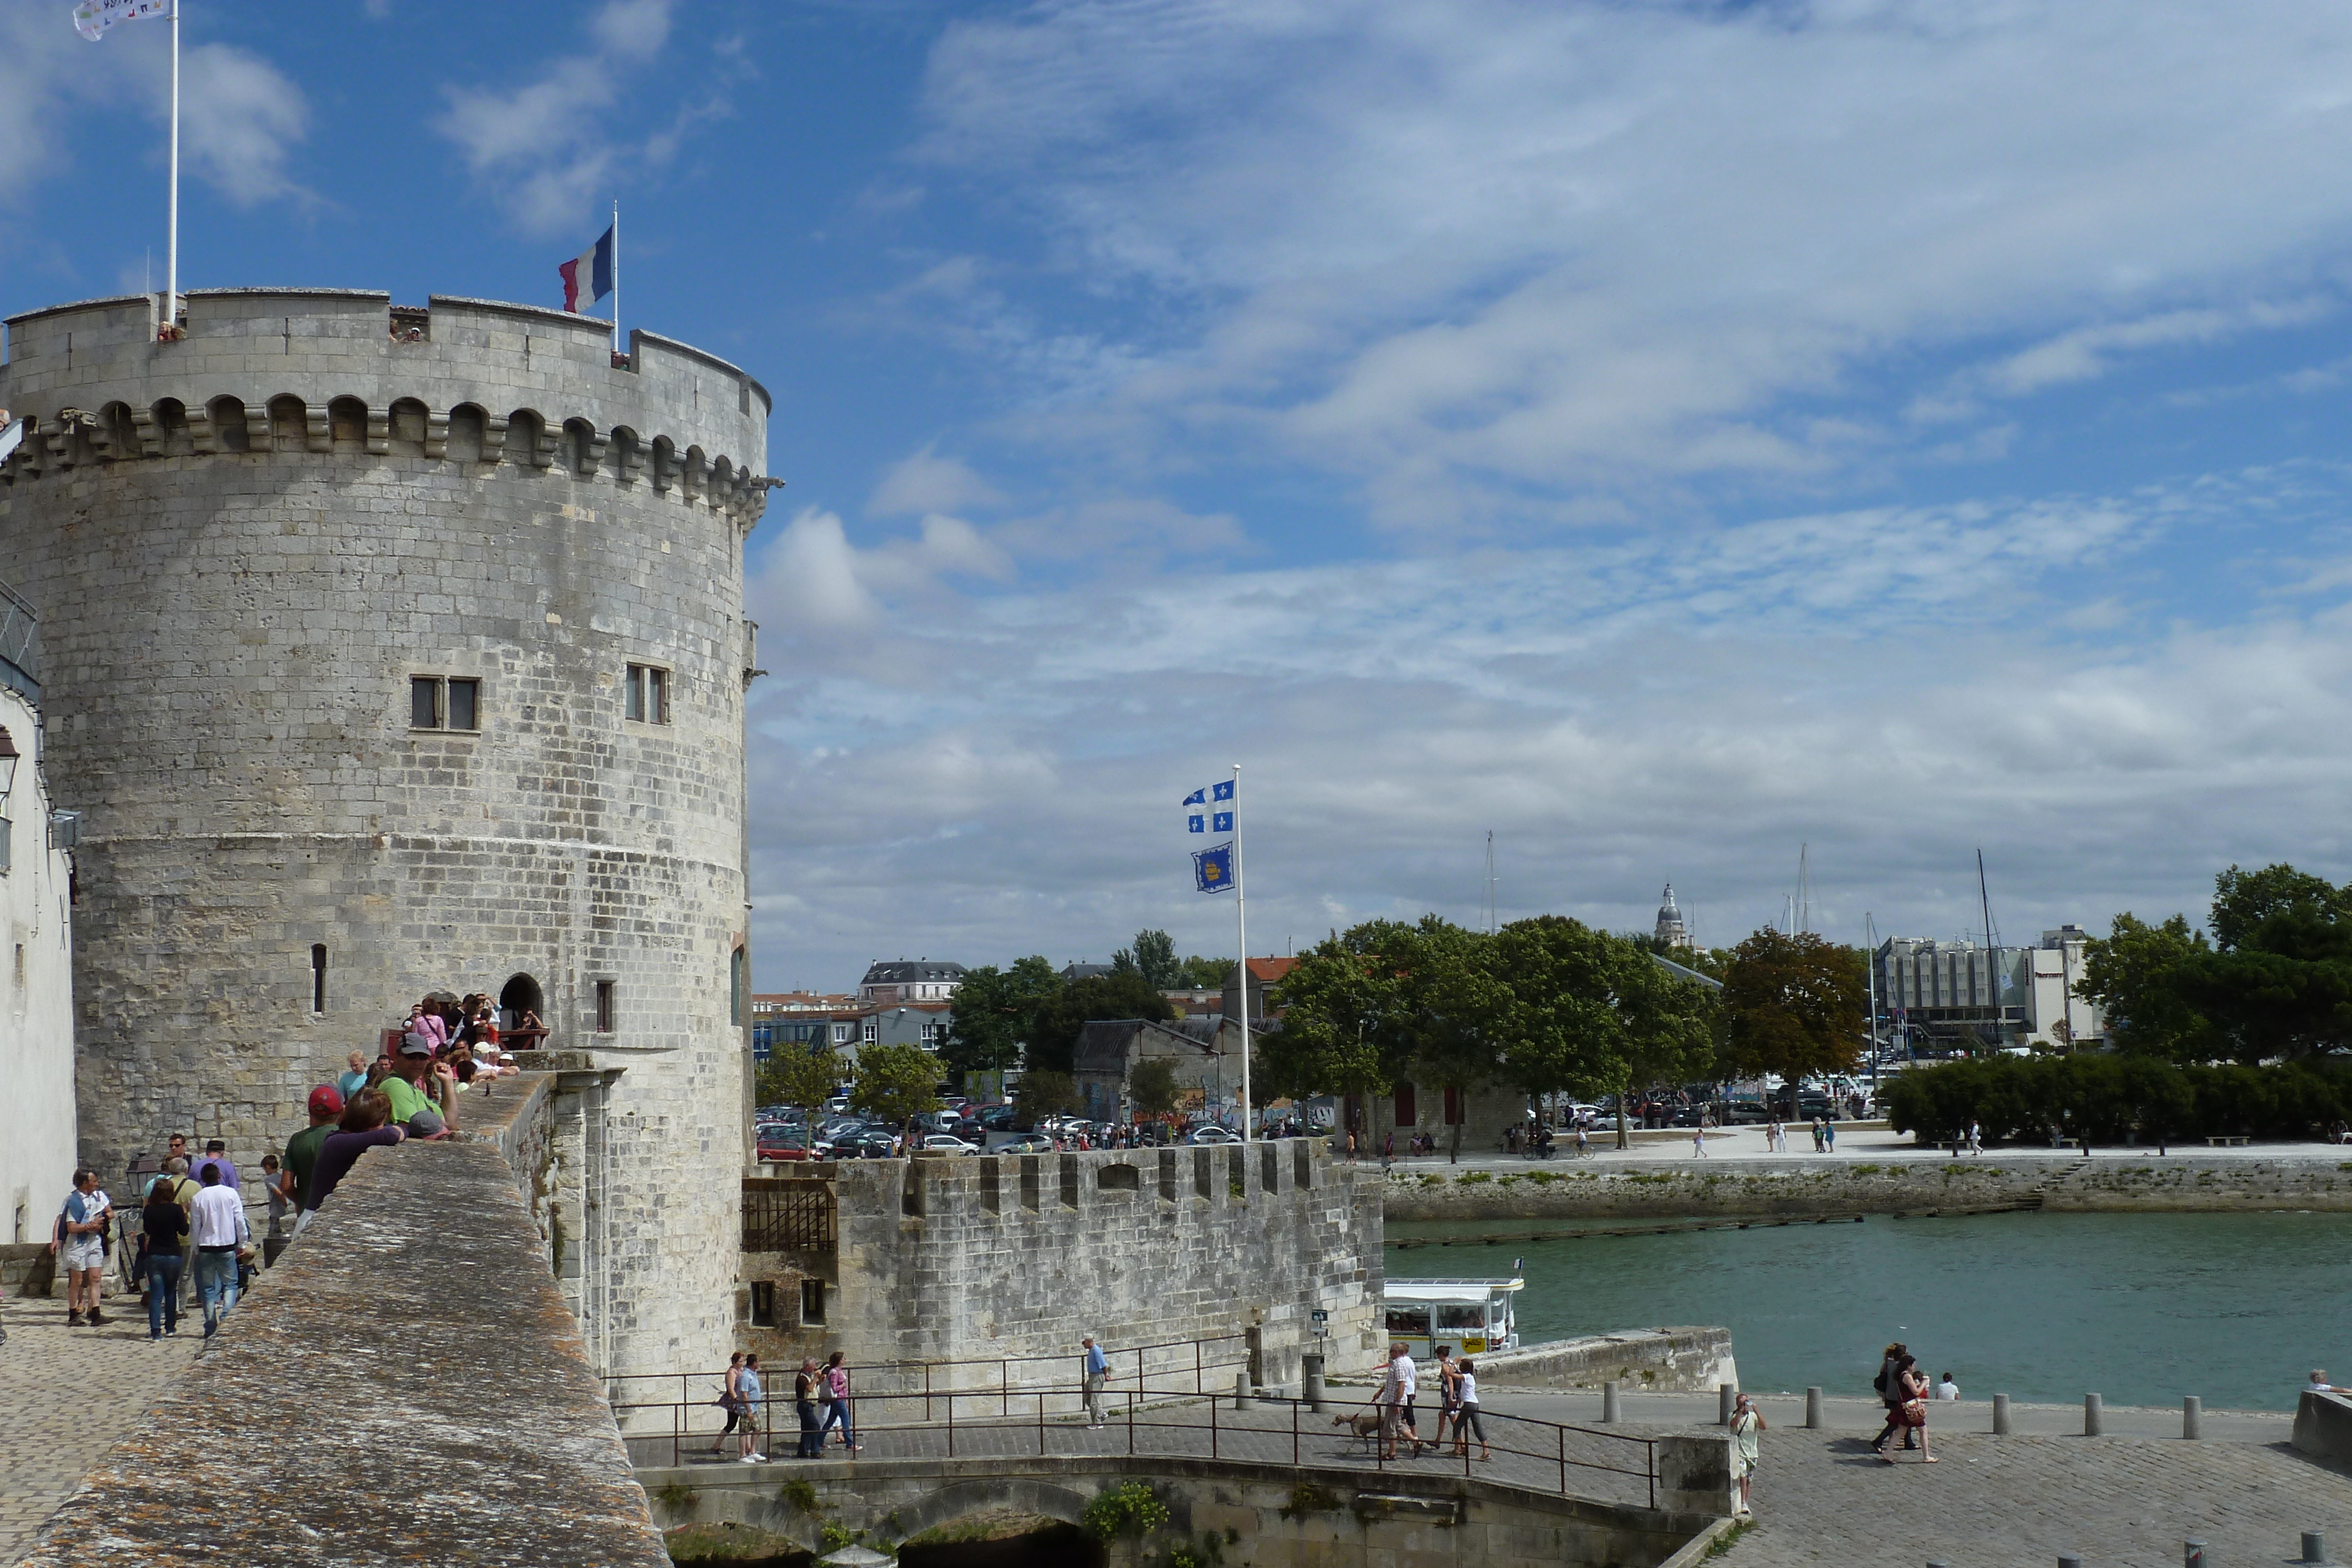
[(37, 1054)]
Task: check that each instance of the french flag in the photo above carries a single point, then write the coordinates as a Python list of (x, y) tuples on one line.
[(588, 276)]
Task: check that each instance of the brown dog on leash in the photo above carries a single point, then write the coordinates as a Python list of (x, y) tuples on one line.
[(1362, 1424)]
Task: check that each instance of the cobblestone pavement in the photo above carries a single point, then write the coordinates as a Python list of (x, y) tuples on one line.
[(1822, 1498), (66, 1394)]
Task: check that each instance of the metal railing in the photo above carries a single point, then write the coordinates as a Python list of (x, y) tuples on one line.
[(786, 1214), (1550, 1457), (1036, 1385)]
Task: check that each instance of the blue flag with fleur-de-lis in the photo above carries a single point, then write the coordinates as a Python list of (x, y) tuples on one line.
[(1209, 810)]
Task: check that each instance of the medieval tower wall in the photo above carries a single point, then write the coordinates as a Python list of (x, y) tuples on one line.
[(246, 546)]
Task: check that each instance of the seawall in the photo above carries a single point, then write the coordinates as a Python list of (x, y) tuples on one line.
[(1644, 1361), (1795, 1184)]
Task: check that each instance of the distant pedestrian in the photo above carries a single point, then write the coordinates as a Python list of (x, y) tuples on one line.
[(352, 1081), (80, 1243), (1394, 1398), (302, 1149), (1698, 1135), (2319, 1383), (1889, 1384), (1447, 1379), (1465, 1411), (805, 1386), (836, 1411), (1947, 1389), (730, 1401), (1975, 1137), (1817, 1135), (1772, 1138), (165, 1224), (1746, 1422), (217, 1153), (747, 1388), (222, 1238), (1829, 1137), (1097, 1374), (278, 1191), (1913, 1411)]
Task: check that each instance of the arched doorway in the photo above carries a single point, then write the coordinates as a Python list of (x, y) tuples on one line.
[(520, 995)]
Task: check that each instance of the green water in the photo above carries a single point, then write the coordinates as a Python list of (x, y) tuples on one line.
[(2140, 1308)]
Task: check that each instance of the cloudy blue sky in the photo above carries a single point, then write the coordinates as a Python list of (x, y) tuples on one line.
[(1659, 435)]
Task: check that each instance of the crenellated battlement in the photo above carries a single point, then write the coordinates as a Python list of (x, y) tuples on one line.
[(320, 371)]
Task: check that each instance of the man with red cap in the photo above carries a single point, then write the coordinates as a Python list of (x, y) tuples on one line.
[(302, 1148)]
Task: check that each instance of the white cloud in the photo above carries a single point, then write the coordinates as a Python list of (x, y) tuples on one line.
[(927, 482), (1485, 258), (243, 119), (546, 150), (986, 775)]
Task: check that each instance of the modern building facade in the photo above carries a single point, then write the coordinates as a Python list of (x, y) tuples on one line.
[(397, 650), (1960, 995), (37, 1041)]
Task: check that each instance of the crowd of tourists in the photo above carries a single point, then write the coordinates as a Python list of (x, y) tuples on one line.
[(1457, 1405), (820, 1400), (192, 1238)]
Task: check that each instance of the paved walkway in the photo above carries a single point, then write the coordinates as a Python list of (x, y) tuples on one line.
[(1854, 1143), (66, 1396)]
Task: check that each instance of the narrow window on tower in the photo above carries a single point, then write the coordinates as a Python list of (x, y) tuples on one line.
[(423, 702), (736, 965), (646, 694), (318, 977), (603, 1007), (465, 705)]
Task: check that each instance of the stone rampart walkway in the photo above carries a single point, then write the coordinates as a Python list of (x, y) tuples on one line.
[(66, 1394)]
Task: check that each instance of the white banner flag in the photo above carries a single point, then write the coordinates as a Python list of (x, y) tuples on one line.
[(93, 17)]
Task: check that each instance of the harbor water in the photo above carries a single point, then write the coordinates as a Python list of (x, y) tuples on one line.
[(2139, 1308)]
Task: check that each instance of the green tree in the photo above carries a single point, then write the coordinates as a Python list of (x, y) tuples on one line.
[(895, 1083), (2141, 977), (1154, 958), (1344, 1022), (1043, 1092), (1793, 1004), (1593, 1014), (2278, 983), (1054, 1031), (801, 1077), (992, 1013), (1456, 1008), (1152, 1088)]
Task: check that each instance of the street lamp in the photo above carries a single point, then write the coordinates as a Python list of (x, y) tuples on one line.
[(8, 765)]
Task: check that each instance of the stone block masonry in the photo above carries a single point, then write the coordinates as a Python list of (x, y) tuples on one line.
[(246, 548), (974, 1258)]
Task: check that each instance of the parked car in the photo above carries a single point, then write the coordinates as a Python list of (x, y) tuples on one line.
[(1210, 1133), (946, 1143), (1026, 1143), (783, 1146)]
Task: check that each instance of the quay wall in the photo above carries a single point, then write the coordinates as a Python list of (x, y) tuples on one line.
[(1283, 1516), (978, 1257), (330, 1436), (1796, 1185), (1641, 1360)]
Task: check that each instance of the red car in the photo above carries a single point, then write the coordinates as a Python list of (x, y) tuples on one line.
[(782, 1146)]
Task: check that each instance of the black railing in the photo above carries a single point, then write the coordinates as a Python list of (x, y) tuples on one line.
[(1550, 1457), (788, 1214)]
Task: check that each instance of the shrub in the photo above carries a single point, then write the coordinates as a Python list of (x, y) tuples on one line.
[(1131, 1509), (2109, 1098)]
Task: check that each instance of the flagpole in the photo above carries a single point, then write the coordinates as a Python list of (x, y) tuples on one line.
[(617, 274), (1241, 936), (172, 227)]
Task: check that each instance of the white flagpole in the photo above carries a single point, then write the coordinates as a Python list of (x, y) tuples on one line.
[(172, 237), (617, 274), (1241, 935)]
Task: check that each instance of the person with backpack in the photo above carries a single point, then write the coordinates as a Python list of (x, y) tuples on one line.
[(81, 1243), (1889, 1384)]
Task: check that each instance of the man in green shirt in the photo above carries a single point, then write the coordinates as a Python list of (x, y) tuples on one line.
[(302, 1148), (423, 1094)]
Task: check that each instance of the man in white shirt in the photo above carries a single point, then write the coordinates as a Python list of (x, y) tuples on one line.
[(1947, 1389), (2319, 1383), (1396, 1398), (217, 1218)]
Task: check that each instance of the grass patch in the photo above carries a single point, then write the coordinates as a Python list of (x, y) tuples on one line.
[(735, 1543), (799, 1495), (1728, 1540), (1307, 1498), (1475, 1179)]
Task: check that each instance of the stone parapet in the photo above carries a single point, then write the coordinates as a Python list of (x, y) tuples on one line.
[(406, 1387), (2323, 1428), (1643, 1361)]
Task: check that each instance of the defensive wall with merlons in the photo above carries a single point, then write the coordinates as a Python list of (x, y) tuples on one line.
[(394, 649)]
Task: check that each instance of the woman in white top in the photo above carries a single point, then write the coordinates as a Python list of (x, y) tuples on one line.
[(1466, 1410)]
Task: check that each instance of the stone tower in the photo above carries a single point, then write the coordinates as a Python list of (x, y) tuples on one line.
[(1671, 930), (392, 651)]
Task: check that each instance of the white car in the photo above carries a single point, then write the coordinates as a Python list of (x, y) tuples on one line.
[(947, 1143), (1211, 1132)]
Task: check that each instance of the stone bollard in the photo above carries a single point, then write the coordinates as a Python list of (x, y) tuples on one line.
[(2192, 1417), (2069, 1560), (2001, 1415), (1813, 1409), (2315, 1546), (1608, 1411), (2192, 1554), (1310, 1374), (1242, 1400), (1724, 1394), (2095, 1417), (1934, 1563)]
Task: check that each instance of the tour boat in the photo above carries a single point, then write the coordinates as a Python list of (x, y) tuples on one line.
[(1473, 1316)]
